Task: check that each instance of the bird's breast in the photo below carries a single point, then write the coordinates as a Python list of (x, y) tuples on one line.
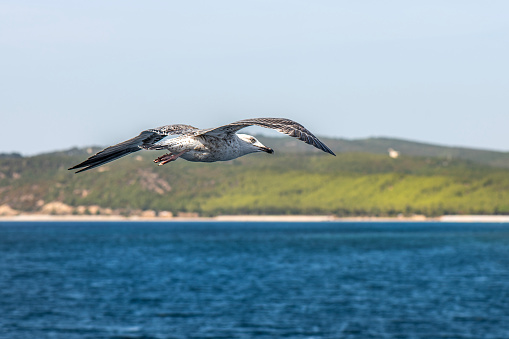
[(210, 149)]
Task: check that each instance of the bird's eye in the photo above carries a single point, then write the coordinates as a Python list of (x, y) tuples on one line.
[(252, 140)]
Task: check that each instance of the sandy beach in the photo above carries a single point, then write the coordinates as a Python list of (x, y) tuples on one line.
[(256, 218)]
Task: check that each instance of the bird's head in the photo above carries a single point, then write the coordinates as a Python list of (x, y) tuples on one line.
[(250, 144)]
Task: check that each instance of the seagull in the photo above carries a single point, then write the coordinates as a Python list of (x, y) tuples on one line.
[(204, 145)]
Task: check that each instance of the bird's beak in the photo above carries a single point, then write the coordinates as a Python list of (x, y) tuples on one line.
[(266, 149)]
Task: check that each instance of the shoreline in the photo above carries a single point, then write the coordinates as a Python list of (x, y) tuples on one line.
[(254, 218)]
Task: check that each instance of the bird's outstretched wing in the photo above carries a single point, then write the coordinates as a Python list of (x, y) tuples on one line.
[(144, 140), (286, 126)]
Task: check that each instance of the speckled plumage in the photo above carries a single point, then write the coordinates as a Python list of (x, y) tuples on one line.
[(204, 145)]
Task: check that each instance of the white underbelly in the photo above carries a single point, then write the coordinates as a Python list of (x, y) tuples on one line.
[(205, 156), (205, 150)]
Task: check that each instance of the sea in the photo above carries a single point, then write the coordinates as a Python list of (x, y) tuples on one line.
[(253, 280)]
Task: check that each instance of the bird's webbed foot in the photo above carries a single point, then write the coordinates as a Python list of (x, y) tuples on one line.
[(164, 159)]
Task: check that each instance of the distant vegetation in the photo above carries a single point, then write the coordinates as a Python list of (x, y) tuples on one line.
[(408, 148), (9, 155), (295, 180)]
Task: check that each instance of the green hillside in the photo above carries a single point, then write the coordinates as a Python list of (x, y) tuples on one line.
[(405, 147), (283, 183)]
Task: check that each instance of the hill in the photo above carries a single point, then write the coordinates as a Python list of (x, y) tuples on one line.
[(405, 147), (290, 182)]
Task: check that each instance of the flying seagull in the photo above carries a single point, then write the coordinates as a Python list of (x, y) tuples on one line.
[(207, 145)]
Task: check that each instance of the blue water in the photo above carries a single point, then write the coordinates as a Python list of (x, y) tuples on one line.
[(254, 280)]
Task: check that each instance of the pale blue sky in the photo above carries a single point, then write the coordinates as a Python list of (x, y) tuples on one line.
[(79, 73)]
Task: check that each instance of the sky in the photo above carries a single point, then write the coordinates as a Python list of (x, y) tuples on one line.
[(81, 73)]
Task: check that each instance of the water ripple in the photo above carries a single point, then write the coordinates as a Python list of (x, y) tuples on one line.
[(254, 280)]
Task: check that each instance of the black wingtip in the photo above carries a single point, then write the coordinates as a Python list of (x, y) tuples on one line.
[(80, 165), (324, 147), (81, 170), (329, 150)]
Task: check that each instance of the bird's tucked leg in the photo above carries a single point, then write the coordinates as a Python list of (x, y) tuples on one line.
[(164, 159)]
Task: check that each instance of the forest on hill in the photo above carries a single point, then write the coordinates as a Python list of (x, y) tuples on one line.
[(429, 180)]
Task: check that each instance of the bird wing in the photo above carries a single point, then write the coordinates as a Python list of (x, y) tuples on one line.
[(174, 129), (286, 126), (144, 140)]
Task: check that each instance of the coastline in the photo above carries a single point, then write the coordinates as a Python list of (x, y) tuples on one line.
[(254, 218)]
